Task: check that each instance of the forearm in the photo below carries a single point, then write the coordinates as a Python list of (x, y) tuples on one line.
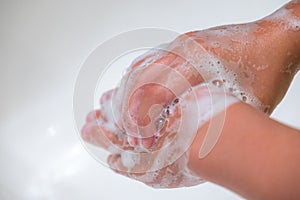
[(255, 156)]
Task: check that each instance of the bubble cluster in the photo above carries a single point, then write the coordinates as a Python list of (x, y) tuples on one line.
[(218, 87), (217, 76), (286, 18), (237, 82)]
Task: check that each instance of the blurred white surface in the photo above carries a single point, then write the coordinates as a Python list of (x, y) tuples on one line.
[(42, 45)]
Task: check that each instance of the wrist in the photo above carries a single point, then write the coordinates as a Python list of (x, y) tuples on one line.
[(279, 40), (284, 27)]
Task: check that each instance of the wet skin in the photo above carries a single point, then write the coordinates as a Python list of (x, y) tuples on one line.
[(258, 158)]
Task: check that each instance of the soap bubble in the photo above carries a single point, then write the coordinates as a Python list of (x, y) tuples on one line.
[(107, 64)]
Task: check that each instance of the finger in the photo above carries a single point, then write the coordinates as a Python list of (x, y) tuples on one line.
[(106, 96), (96, 133), (93, 134), (143, 100), (93, 115), (117, 166), (166, 130), (109, 111), (115, 163), (131, 161), (144, 59), (166, 59), (138, 111)]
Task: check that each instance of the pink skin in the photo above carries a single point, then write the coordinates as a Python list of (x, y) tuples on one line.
[(139, 103), (94, 133), (264, 55), (176, 173), (256, 48), (156, 179)]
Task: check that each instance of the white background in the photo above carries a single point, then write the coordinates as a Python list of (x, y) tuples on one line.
[(42, 46)]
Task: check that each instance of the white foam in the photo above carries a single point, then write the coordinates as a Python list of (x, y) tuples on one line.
[(198, 105), (107, 111), (213, 70), (286, 18), (129, 159), (176, 175)]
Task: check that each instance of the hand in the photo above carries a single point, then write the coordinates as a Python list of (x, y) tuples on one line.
[(246, 59), (252, 65), (168, 165)]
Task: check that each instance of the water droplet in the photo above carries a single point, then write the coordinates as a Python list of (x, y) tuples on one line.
[(160, 122), (244, 98), (217, 83), (165, 112), (267, 109), (176, 100)]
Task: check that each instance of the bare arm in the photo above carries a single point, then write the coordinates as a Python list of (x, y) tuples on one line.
[(255, 156)]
